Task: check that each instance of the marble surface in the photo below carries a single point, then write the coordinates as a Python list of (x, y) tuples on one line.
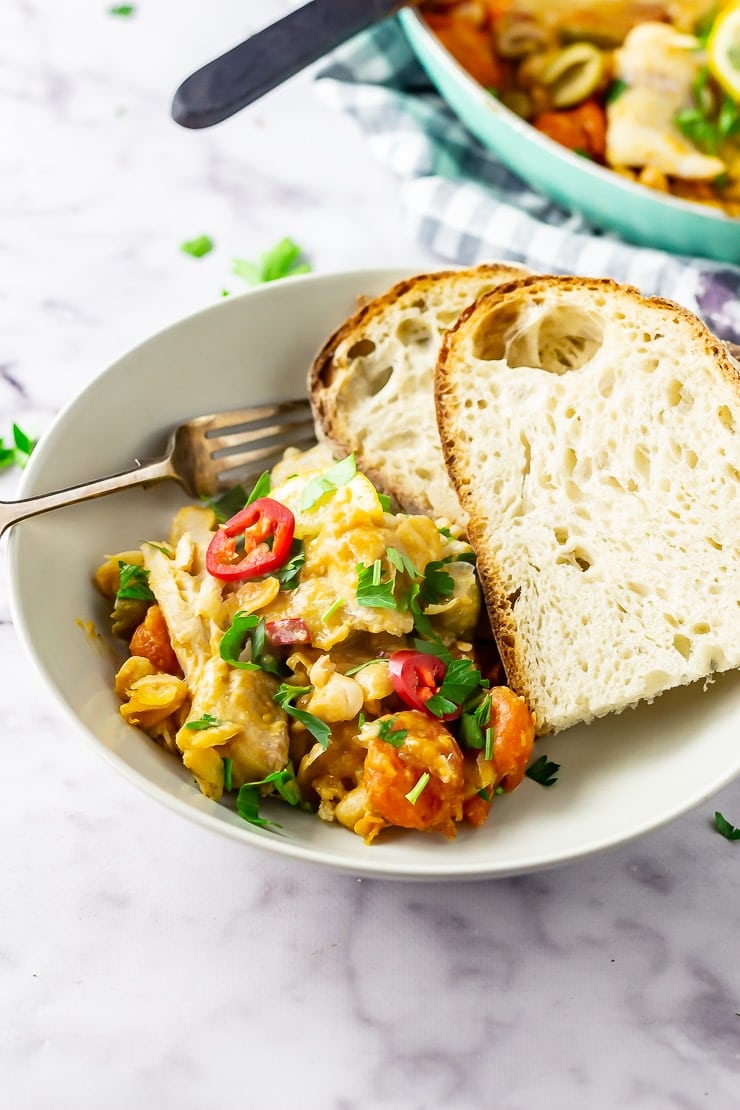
[(145, 962)]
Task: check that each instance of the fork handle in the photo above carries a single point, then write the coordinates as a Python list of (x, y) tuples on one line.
[(13, 511)]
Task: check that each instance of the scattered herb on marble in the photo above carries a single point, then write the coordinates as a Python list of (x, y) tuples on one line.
[(196, 248), (122, 9), (19, 453), (280, 261), (724, 828), (543, 771)]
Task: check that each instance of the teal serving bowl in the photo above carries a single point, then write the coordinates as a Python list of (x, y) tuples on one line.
[(638, 214)]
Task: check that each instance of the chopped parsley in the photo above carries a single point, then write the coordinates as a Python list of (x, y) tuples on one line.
[(708, 124), (279, 261), (19, 453), (228, 504), (228, 768), (206, 721), (392, 735), (426, 588), (248, 796), (235, 639), (288, 574), (133, 583), (247, 630), (338, 475), (462, 680), (318, 728), (261, 488), (248, 807), (196, 248), (372, 590), (231, 502), (401, 562), (615, 90), (724, 828), (543, 771), (416, 791), (474, 725), (333, 608), (122, 9)]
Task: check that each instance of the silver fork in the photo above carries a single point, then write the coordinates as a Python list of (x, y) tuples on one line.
[(206, 455)]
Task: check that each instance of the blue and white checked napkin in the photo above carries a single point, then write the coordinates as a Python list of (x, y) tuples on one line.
[(467, 207)]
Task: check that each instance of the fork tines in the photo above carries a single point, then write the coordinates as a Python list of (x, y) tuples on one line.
[(253, 440)]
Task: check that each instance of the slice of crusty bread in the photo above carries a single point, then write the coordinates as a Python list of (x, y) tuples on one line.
[(371, 385), (593, 438)]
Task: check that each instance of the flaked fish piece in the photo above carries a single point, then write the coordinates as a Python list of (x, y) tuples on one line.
[(659, 65)]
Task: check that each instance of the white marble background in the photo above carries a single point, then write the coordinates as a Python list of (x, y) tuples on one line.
[(145, 962)]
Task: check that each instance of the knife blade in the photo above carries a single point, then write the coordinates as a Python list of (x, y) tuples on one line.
[(230, 82)]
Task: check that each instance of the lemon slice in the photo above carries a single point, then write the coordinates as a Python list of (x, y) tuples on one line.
[(723, 49), (354, 505)]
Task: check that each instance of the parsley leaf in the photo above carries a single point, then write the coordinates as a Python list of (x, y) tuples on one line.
[(286, 785), (235, 638), (372, 591), (231, 502), (228, 766), (261, 488), (543, 771), (19, 453), (318, 728), (401, 562), (248, 630), (288, 574), (724, 828), (248, 807), (338, 475), (392, 735), (615, 90), (278, 262), (474, 725), (228, 504), (461, 681), (438, 584), (206, 721), (709, 123), (416, 791), (122, 9), (196, 248), (134, 582)]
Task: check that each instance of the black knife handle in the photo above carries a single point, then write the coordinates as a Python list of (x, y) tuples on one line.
[(227, 84)]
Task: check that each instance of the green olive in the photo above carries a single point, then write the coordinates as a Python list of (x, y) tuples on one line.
[(574, 74)]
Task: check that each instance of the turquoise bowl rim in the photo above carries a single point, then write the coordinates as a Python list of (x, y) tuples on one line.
[(638, 214)]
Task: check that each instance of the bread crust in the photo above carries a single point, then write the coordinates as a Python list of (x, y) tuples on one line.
[(335, 373), (525, 667)]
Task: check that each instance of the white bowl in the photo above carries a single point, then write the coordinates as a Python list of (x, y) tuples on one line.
[(619, 778)]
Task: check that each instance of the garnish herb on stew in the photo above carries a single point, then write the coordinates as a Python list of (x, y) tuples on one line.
[(206, 721), (133, 582), (394, 736), (318, 728), (372, 590), (338, 475), (415, 792)]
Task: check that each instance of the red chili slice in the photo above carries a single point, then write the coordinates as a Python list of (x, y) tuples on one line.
[(417, 677), (264, 519), (288, 630)]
